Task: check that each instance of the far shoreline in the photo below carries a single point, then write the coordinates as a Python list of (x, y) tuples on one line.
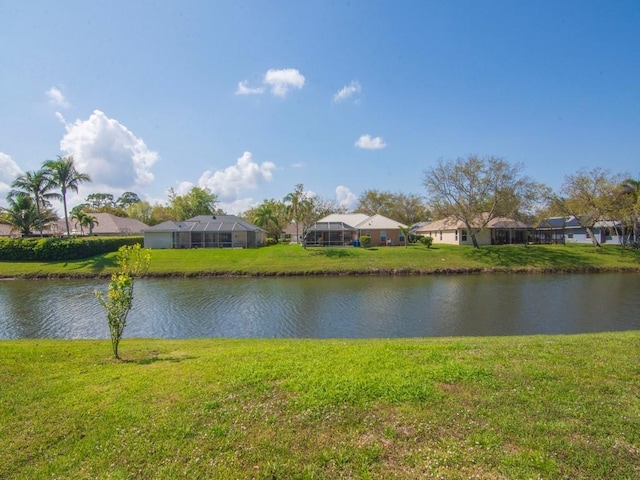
[(335, 273)]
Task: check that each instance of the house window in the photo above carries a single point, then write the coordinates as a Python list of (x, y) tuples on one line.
[(456, 237), (464, 235), (569, 235), (401, 238), (440, 234), (383, 236), (586, 234)]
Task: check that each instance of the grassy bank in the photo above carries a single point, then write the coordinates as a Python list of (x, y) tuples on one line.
[(514, 407), (294, 260)]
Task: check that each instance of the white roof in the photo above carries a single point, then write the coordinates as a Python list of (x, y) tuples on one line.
[(363, 221)]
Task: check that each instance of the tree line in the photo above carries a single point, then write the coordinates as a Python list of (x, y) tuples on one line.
[(472, 189)]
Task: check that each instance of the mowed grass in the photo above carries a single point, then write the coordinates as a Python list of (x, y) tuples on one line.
[(294, 260), (489, 408)]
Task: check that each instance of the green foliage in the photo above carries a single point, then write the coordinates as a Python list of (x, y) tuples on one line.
[(198, 201), (405, 208), (426, 241), (60, 249), (64, 176), (365, 241), (560, 406), (271, 241), (133, 261)]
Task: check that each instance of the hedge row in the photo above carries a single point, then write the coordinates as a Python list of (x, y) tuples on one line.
[(60, 249)]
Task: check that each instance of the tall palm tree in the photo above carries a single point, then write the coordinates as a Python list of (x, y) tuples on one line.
[(294, 200), (631, 188), (65, 177), (37, 185)]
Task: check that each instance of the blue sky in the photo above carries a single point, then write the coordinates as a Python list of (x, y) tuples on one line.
[(249, 98)]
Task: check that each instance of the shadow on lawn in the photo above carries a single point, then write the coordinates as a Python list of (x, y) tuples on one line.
[(334, 252), (95, 265), (154, 359), (529, 256)]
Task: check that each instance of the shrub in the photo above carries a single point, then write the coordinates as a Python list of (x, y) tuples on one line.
[(271, 241), (426, 241), (56, 249), (365, 241)]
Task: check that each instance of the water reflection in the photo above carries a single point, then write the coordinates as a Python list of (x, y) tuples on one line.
[(324, 307)]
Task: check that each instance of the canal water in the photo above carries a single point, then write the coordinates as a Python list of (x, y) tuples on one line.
[(330, 307)]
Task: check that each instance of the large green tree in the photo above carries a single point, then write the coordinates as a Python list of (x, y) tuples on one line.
[(475, 190), (589, 197), (197, 201), (405, 208), (39, 186), (66, 178)]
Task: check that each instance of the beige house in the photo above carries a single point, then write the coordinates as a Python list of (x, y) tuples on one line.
[(106, 224), (498, 231), (343, 229)]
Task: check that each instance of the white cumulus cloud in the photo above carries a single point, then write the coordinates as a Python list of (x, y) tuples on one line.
[(57, 98), (281, 81), (278, 81), (246, 174), (370, 143), (109, 152), (9, 171), (243, 89), (345, 198), (347, 91)]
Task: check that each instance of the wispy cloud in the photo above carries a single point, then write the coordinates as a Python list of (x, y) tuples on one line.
[(347, 91), (278, 81), (244, 90), (368, 142), (57, 98)]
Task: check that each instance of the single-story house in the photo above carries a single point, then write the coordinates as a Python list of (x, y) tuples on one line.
[(205, 231), (498, 231), (343, 229), (106, 224), (569, 230)]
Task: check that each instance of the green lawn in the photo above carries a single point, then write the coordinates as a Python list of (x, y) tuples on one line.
[(490, 408), (293, 259)]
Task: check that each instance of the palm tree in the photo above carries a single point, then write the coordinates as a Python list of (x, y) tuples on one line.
[(294, 201), (631, 188), (84, 220), (37, 185), (65, 177), (21, 213), (266, 218)]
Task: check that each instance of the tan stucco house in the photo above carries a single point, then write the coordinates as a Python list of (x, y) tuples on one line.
[(498, 231), (343, 229)]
